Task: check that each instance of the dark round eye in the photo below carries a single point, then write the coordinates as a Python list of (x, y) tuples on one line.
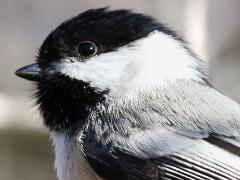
[(87, 49)]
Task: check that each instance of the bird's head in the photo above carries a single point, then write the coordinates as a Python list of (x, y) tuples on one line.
[(102, 53)]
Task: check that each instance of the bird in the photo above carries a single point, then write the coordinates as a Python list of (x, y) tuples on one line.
[(125, 98)]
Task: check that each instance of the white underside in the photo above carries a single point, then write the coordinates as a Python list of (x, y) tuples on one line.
[(70, 162)]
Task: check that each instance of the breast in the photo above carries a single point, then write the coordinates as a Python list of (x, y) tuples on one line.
[(70, 162)]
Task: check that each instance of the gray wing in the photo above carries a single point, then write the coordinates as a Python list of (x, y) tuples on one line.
[(211, 159), (187, 131), (184, 155)]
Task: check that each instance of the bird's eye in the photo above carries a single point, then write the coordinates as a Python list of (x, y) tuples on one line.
[(87, 49)]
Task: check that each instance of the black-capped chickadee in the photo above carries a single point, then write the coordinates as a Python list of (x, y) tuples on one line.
[(125, 99)]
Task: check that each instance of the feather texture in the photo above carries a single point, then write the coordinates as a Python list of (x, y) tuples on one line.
[(186, 131)]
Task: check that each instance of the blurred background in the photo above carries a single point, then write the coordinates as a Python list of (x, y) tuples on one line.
[(212, 29)]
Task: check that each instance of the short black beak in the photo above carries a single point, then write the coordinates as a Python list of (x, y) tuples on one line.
[(30, 72)]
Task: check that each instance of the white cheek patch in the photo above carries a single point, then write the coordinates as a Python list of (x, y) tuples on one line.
[(151, 61), (106, 71)]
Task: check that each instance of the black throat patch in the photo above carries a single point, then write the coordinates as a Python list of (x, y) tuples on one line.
[(65, 102)]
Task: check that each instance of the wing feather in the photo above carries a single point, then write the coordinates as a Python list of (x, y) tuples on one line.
[(196, 157), (184, 131), (204, 161)]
